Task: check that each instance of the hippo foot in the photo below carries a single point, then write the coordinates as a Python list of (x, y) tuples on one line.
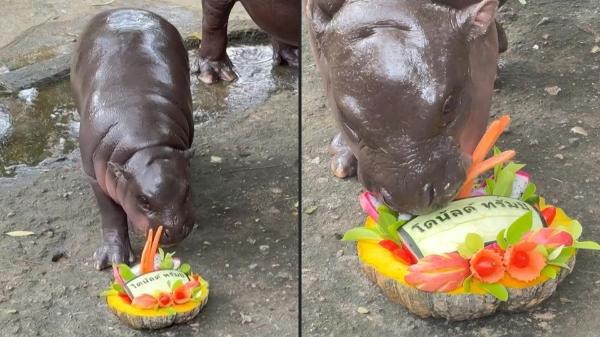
[(343, 163), (285, 54), (214, 71), (113, 253)]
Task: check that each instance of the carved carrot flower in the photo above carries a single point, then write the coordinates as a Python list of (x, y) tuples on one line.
[(486, 266), (181, 294), (523, 261), (164, 299), (145, 301)]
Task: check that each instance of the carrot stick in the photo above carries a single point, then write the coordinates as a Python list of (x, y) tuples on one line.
[(145, 252), (490, 138), (478, 169), (488, 164), (153, 249)]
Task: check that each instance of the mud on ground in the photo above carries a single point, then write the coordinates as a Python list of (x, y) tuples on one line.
[(551, 44), (245, 175)]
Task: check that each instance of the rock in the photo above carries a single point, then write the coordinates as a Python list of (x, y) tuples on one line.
[(311, 209), (246, 318), (544, 20), (4, 69), (559, 156), (4, 121), (535, 47), (595, 50), (253, 266), (339, 253), (216, 160), (362, 310), (579, 130), (28, 95), (264, 248), (552, 91), (316, 160), (276, 190)]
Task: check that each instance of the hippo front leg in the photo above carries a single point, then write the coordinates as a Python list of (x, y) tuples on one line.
[(343, 163), (284, 53), (213, 62), (115, 247)]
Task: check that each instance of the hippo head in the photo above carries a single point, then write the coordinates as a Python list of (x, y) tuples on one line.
[(410, 84), (154, 189)]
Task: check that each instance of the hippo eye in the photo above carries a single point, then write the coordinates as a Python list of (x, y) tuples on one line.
[(143, 202), (449, 110)]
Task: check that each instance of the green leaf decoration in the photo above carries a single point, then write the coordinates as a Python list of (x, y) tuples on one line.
[(543, 250), (549, 272), (176, 284), (555, 252), (170, 311), (185, 268), (196, 293), (467, 284), (117, 287), (496, 151), (533, 200), (474, 242), (564, 256), (529, 191), (505, 178), (161, 252), (384, 209), (167, 263), (361, 233), (562, 265), (489, 186), (501, 240), (464, 251), (517, 229), (125, 272), (575, 229), (109, 292), (586, 245), (495, 289)]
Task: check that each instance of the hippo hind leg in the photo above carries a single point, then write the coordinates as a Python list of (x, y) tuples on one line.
[(213, 63), (115, 247), (343, 162), (284, 53)]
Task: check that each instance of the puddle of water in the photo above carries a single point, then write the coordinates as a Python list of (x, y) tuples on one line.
[(31, 133), (48, 128), (257, 80)]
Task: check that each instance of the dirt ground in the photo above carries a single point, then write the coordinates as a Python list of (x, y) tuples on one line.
[(551, 44), (245, 185)]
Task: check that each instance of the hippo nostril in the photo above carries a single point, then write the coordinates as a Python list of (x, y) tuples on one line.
[(431, 195)]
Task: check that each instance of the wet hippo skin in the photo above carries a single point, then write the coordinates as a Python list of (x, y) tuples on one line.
[(130, 81), (410, 85), (279, 18)]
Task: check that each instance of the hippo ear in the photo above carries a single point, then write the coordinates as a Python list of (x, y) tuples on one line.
[(117, 170), (477, 18)]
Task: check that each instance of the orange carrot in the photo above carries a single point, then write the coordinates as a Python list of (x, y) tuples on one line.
[(478, 169), (153, 249), (145, 252), (489, 139)]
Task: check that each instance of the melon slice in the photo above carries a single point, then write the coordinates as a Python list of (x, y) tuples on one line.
[(157, 318)]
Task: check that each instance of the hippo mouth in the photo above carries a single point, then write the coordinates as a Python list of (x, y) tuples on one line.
[(370, 200)]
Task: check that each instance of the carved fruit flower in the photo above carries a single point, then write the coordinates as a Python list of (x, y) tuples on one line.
[(523, 261), (182, 294), (164, 300), (145, 301), (486, 266)]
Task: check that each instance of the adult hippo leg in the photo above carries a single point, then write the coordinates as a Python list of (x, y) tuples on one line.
[(343, 163), (213, 62), (284, 53), (115, 247)]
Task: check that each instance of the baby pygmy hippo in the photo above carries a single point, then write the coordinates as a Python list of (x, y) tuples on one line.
[(130, 81)]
